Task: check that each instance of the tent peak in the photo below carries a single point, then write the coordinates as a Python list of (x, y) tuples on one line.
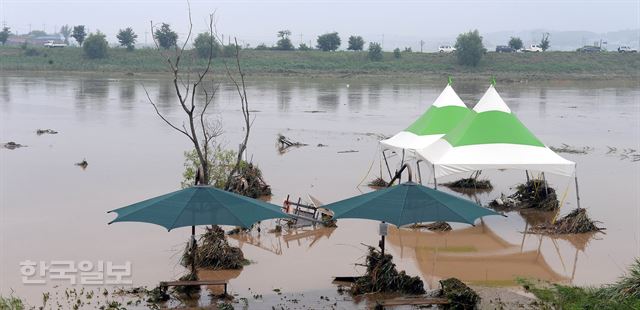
[(491, 101), (448, 97)]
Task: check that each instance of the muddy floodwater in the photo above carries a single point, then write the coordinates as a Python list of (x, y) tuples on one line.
[(53, 210)]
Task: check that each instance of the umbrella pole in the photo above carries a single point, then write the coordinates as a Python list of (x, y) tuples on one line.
[(193, 249)]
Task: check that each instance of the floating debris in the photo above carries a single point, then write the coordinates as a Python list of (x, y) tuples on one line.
[(249, 182), (381, 276), (470, 183), (285, 143), (83, 164), (40, 132), (322, 145), (576, 222), (12, 145), (347, 151), (533, 194), (378, 182), (460, 296), (435, 226), (214, 252), (565, 148)]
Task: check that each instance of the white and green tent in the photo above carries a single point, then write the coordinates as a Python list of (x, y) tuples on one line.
[(444, 114), (492, 138)]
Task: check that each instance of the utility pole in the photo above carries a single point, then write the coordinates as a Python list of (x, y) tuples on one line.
[(421, 45)]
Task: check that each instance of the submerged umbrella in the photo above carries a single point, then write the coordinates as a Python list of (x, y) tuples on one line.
[(409, 203), (198, 205)]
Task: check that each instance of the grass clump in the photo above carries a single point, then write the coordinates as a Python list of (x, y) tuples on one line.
[(382, 277), (623, 294), (576, 222), (214, 252), (460, 296), (435, 226), (378, 182), (469, 183), (11, 303)]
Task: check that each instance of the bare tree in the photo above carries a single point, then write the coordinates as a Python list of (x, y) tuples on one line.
[(197, 127)]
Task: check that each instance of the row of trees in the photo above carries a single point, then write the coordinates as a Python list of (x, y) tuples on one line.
[(516, 43)]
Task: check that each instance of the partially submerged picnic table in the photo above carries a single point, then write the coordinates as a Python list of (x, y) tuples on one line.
[(166, 284)]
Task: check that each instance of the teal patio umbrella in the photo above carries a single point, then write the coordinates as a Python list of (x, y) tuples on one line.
[(409, 203), (198, 205)]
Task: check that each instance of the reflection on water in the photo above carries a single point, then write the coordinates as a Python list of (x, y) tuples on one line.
[(133, 156)]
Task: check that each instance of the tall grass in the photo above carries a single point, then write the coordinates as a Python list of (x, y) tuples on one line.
[(503, 65), (623, 294)]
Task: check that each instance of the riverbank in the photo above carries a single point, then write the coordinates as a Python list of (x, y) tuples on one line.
[(505, 67)]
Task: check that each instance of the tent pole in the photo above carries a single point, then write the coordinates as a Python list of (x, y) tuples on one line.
[(435, 181), (419, 173), (401, 164), (575, 174), (387, 163)]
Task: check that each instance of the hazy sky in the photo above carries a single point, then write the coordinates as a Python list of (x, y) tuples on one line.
[(257, 21)]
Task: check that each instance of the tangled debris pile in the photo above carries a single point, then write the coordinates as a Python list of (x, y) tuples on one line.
[(565, 148), (576, 222), (378, 182), (12, 145), (435, 226), (469, 183), (285, 143), (460, 296), (214, 252), (534, 194), (249, 182), (382, 276), (46, 131)]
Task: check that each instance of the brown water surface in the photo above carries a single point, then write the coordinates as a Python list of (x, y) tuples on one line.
[(53, 210)]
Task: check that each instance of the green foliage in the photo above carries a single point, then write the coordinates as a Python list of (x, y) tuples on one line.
[(261, 47), (79, 34), (221, 163), (375, 51), (11, 303), (356, 43), (96, 46), (165, 36), (284, 44), (4, 35), (408, 49), (469, 48), (544, 43), (328, 41), (230, 50), (65, 31), (515, 43), (304, 47), (623, 294), (204, 43), (127, 38), (396, 53)]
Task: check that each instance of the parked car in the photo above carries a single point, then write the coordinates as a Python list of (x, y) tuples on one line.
[(533, 48), (446, 49), (589, 49), (52, 44), (504, 49), (626, 49)]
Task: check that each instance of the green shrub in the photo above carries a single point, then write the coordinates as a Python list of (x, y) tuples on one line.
[(95, 46)]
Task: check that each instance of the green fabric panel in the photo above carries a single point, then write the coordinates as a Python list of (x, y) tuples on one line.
[(492, 127), (438, 120)]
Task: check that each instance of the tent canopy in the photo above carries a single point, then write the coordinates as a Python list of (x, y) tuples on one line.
[(444, 114), (492, 138)]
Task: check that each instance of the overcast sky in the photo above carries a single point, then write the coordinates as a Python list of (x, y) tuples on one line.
[(257, 21)]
